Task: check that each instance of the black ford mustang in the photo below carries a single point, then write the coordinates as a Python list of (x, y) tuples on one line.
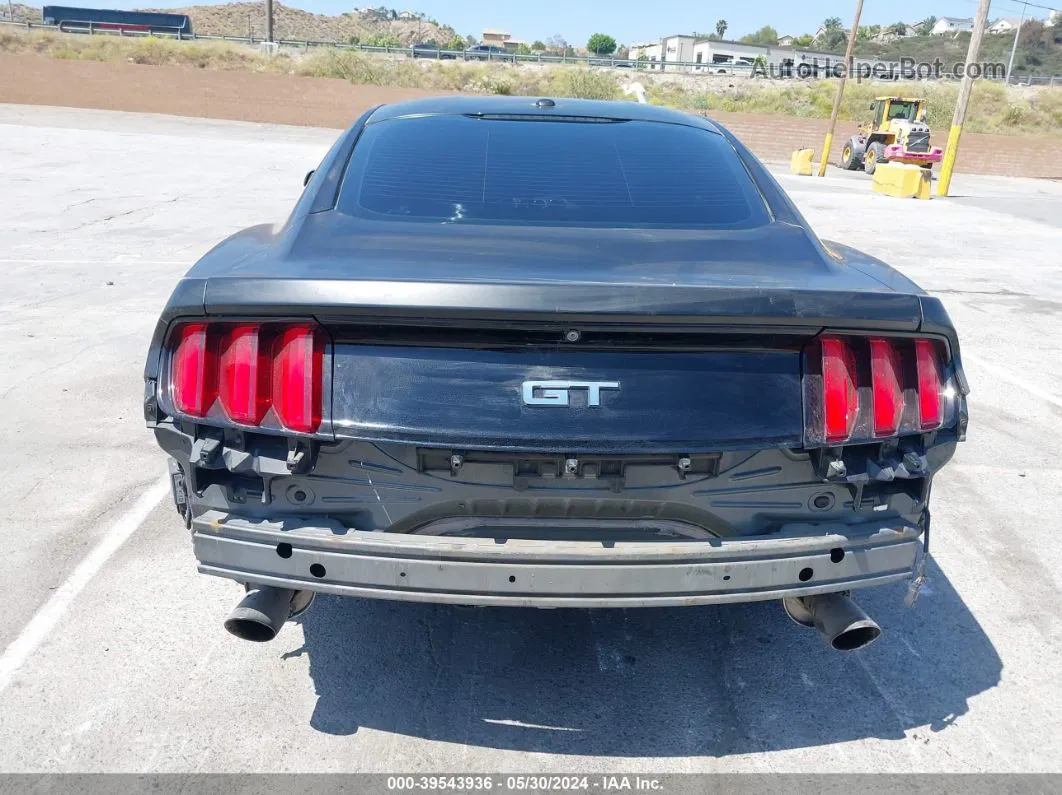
[(509, 351)]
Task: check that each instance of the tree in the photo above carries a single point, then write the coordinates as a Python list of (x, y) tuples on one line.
[(383, 40), (456, 43), (538, 45), (868, 32), (601, 44), (898, 28), (927, 25), (523, 49), (765, 35), (720, 28), (557, 43), (471, 40), (804, 40), (833, 35)]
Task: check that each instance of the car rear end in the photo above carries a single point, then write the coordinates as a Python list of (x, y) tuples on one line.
[(549, 402)]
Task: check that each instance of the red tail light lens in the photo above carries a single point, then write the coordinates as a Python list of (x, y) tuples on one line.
[(839, 391), (930, 386), (194, 370), (867, 389), (246, 374), (298, 356), (885, 373), (267, 375)]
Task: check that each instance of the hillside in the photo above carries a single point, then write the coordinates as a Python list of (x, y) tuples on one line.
[(235, 19), (1039, 49)]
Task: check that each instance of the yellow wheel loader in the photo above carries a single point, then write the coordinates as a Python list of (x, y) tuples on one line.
[(898, 132)]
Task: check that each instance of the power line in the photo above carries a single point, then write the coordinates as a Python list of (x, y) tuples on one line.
[(1045, 8), (1017, 3)]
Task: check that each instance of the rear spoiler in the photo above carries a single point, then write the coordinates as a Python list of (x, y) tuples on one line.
[(346, 300)]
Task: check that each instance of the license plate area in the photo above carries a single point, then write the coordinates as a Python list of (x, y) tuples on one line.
[(526, 469)]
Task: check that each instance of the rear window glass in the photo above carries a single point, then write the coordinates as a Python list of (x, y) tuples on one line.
[(462, 169)]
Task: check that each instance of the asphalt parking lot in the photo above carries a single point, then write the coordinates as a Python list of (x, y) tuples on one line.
[(112, 651)]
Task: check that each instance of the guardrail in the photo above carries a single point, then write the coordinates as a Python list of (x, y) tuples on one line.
[(121, 28), (653, 67)]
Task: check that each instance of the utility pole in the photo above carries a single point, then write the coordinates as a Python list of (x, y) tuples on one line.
[(849, 54), (269, 20), (1014, 47), (951, 151)]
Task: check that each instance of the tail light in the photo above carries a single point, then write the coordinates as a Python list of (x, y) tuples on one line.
[(245, 389), (266, 375), (860, 389), (194, 370), (840, 398), (887, 393), (930, 388), (297, 359)]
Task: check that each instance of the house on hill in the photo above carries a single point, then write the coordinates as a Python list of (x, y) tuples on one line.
[(889, 34), (949, 26), (1004, 25), (821, 33)]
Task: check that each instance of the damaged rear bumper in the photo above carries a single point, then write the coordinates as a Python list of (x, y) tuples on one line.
[(326, 557)]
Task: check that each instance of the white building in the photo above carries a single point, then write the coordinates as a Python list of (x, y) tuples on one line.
[(1004, 25), (715, 56), (650, 51), (671, 48), (718, 57), (949, 26)]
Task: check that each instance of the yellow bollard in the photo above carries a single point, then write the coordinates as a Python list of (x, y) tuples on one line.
[(951, 151), (800, 162), (903, 180)]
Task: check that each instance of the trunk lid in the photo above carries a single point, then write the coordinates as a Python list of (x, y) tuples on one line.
[(341, 269)]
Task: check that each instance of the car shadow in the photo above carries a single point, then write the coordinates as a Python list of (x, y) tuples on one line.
[(715, 680)]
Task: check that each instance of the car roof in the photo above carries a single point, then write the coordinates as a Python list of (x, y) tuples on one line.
[(537, 106)]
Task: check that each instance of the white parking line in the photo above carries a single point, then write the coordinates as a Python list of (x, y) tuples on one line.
[(1017, 381), (45, 619)]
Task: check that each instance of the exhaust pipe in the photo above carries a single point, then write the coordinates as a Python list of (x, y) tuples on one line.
[(263, 610), (840, 621)]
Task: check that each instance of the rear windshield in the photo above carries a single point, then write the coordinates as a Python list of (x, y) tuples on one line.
[(462, 169)]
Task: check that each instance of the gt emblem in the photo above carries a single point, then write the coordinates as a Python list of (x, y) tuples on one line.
[(557, 393)]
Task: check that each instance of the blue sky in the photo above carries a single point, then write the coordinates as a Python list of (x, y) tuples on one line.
[(643, 20)]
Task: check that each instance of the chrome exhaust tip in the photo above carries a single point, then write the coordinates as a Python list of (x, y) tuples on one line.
[(840, 621)]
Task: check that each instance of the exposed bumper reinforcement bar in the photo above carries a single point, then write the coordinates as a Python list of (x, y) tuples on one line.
[(328, 558)]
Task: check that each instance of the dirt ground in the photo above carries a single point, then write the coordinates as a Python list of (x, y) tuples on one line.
[(326, 102), (186, 91)]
